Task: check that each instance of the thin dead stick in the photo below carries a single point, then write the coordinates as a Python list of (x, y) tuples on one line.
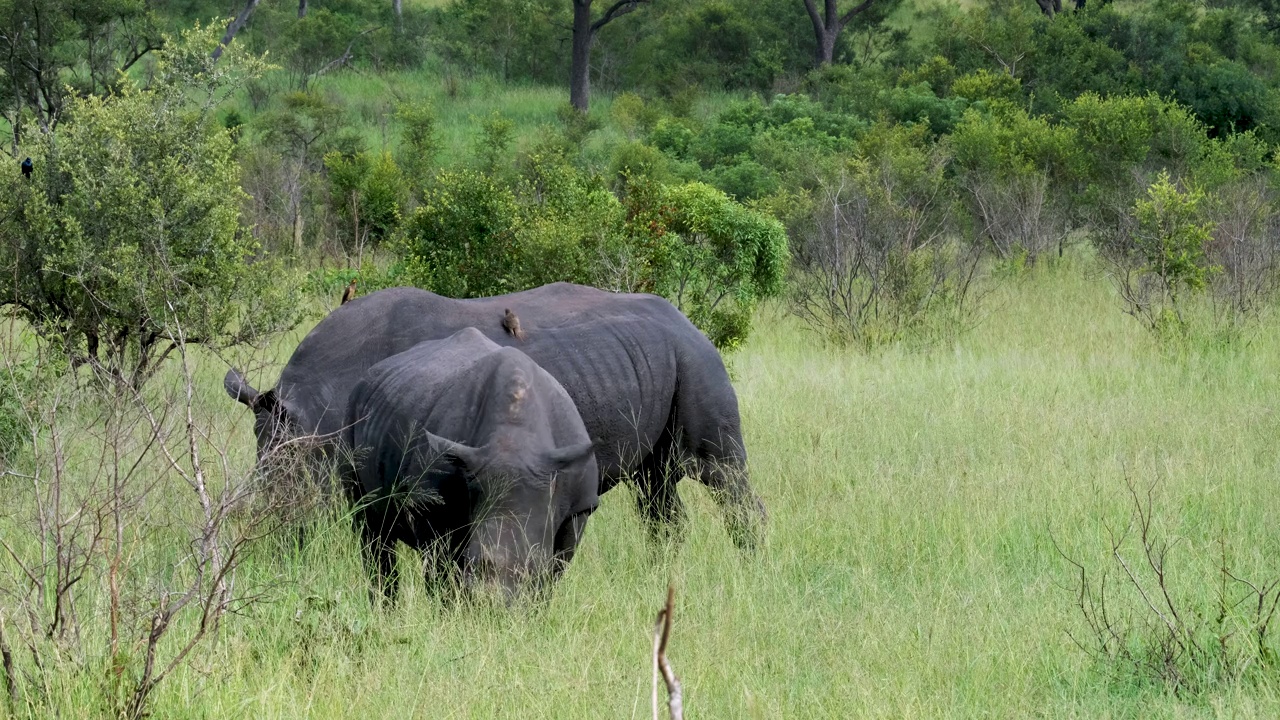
[(661, 634)]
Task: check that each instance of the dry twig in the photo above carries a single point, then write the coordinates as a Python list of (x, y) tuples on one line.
[(662, 634)]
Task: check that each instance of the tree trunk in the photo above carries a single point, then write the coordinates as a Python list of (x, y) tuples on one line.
[(16, 126), (302, 8), (580, 67), (396, 5), (1050, 7), (297, 231), (234, 27), (826, 50)]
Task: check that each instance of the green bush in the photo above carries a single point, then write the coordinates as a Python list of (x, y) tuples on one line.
[(129, 230), (461, 240), (420, 142), (1167, 258), (476, 235), (367, 191), (715, 259), (1013, 168)]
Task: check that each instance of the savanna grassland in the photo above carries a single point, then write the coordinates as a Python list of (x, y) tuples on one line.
[(909, 568), (996, 283)]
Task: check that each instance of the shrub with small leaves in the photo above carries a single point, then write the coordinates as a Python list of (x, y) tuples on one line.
[(129, 231), (1166, 259), (716, 259)]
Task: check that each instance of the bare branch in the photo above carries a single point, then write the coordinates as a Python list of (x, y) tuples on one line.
[(345, 57), (615, 11)]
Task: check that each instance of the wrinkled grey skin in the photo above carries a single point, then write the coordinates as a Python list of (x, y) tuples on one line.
[(462, 441), (651, 389)]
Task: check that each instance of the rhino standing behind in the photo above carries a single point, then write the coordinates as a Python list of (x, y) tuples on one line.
[(473, 444), (651, 389)]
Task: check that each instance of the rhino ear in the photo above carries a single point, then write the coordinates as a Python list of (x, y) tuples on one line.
[(465, 455), (563, 457), (239, 389)]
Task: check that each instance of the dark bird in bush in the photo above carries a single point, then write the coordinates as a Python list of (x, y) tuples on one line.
[(350, 293), (469, 442), (26, 167), (511, 324)]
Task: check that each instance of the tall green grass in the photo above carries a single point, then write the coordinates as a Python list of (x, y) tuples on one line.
[(909, 570)]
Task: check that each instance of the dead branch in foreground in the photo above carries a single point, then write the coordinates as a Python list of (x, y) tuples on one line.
[(661, 634)]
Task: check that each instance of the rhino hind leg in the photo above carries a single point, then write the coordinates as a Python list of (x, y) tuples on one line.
[(744, 513), (656, 497)]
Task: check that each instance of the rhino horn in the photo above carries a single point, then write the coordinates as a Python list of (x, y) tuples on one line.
[(239, 389)]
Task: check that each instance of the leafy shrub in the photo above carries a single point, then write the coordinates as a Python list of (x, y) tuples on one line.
[(420, 141), (475, 236), (367, 190), (715, 259), (633, 115), (1167, 258), (129, 230), (673, 136), (461, 239), (635, 159), (982, 84), (1012, 166), (494, 144)]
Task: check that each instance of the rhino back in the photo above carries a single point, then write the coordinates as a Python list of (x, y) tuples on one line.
[(460, 388), (335, 355)]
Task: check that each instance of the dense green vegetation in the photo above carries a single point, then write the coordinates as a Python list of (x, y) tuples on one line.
[(984, 273)]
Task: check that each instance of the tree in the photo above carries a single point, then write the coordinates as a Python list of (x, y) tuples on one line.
[(1052, 7), (1166, 258), (130, 224), (48, 46), (368, 191), (419, 142), (584, 34), (828, 24), (306, 120)]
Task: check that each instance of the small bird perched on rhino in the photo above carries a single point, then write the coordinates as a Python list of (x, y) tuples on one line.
[(350, 293), (511, 324)]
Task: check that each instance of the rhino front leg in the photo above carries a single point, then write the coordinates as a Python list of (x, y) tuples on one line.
[(567, 539)]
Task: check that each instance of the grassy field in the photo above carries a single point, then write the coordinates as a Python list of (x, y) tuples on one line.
[(909, 569)]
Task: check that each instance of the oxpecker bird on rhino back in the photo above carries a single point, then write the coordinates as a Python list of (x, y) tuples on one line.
[(651, 389), (473, 445)]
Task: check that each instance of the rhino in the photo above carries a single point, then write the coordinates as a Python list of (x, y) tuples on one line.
[(472, 445), (651, 389)]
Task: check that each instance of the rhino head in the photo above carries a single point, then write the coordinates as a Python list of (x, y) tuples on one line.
[(273, 424), (521, 497)]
